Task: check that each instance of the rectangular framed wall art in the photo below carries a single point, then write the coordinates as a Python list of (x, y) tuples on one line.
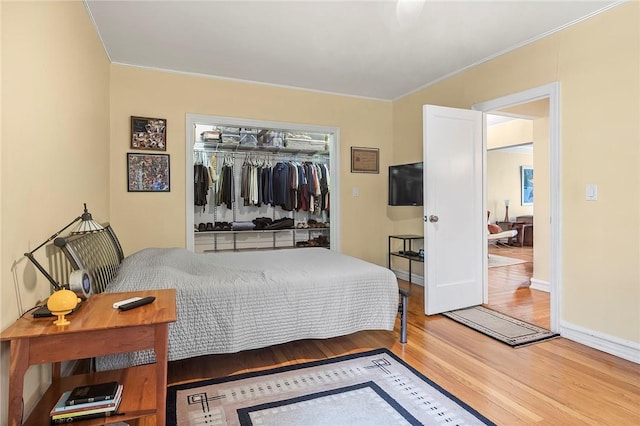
[(365, 160), (148, 172), (526, 185), (149, 133)]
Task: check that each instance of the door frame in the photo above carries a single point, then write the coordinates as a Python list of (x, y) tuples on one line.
[(551, 92)]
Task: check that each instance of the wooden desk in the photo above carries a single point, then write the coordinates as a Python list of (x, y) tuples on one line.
[(96, 329)]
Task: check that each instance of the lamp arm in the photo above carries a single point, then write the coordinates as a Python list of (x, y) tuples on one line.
[(44, 272), (33, 260), (55, 235)]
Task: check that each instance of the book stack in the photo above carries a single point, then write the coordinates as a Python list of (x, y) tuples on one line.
[(87, 402)]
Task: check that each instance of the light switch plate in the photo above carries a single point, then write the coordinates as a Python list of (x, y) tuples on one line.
[(591, 192)]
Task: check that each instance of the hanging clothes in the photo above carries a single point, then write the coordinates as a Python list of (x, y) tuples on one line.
[(251, 190), (267, 185), (226, 193), (281, 193), (325, 184), (200, 185), (213, 175), (290, 185), (244, 183)]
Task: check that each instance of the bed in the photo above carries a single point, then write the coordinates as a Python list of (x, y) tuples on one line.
[(233, 301)]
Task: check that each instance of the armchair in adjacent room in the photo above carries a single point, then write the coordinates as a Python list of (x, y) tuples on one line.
[(496, 235)]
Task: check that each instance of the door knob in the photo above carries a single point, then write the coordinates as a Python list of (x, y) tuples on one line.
[(433, 218)]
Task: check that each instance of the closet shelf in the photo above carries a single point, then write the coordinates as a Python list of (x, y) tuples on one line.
[(266, 231), (230, 147), (261, 249)]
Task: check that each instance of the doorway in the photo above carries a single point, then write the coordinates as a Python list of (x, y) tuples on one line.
[(548, 221), (517, 159)]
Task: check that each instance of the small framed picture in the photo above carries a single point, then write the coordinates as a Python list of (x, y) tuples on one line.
[(365, 160), (526, 185), (148, 172), (149, 133)]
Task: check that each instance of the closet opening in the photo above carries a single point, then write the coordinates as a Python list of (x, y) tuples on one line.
[(256, 185)]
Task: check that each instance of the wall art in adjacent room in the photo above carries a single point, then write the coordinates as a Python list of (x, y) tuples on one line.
[(526, 185)]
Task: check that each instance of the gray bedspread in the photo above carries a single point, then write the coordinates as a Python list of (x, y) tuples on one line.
[(229, 302)]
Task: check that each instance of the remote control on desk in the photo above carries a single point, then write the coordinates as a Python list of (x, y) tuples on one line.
[(136, 303), (124, 302)]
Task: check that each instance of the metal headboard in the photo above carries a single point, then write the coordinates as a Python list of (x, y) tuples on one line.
[(99, 253)]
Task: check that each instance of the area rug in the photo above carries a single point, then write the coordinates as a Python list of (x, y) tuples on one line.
[(369, 388), (511, 331), (496, 261)]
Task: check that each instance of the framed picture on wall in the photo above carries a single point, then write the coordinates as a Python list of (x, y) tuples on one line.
[(148, 172), (365, 160), (149, 133), (526, 185)]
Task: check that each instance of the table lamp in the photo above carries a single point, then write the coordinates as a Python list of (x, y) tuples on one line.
[(63, 300)]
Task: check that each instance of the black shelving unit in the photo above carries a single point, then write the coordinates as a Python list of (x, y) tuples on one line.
[(409, 238)]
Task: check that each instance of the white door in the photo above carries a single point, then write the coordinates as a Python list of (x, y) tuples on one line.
[(453, 208)]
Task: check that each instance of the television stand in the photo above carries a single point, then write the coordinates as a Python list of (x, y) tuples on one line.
[(405, 253)]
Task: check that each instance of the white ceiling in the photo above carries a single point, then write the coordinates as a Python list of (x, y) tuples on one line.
[(358, 48)]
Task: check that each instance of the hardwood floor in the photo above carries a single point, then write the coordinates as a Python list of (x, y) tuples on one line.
[(558, 382), (509, 290)]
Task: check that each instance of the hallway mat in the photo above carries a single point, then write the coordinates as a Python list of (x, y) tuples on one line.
[(504, 328)]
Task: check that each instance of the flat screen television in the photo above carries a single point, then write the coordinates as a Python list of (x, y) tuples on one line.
[(405, 185)]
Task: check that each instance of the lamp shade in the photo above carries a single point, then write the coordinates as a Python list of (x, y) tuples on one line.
[(87, 224)]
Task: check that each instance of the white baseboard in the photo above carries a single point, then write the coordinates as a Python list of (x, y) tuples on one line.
[(404, 275), (612, 345), (541, 285)]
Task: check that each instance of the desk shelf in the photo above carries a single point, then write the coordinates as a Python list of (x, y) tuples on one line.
[(406, 256), (138, 396), (408, 238)]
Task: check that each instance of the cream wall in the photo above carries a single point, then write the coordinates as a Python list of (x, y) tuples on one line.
[(515, 132), (158, 219), (542, 201), (55, 146), (503, 183), (597, 63)]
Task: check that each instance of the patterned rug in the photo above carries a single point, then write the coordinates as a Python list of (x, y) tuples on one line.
[(370, 388), (511, 331)]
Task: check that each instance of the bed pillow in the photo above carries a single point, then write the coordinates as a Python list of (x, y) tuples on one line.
[(494, 229)]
